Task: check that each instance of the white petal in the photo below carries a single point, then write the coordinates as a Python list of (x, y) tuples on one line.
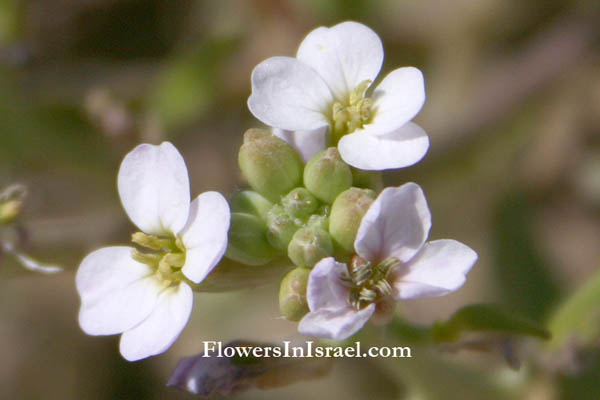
[(158, 332), (439, 268), (396, 100), (325, 289), (154, 188), (400, 148), (344, 55), (205, 235), (306, 143), (338, 324), (116, 291), (396, 224), (290, 95)]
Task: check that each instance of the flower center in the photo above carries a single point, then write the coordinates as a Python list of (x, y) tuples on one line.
[(166, 256), (367, 282), (354, 114)]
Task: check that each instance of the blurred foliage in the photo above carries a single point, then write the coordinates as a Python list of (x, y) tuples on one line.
[(521, 271), (513, 115)]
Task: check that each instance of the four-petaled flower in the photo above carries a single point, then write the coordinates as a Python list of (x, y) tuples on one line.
[(393, 262), (147, 295), (320, 97)]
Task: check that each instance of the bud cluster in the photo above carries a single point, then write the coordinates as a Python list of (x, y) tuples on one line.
[(305, 212)]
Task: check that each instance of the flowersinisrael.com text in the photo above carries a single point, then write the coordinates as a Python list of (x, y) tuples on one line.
[(217, 349)]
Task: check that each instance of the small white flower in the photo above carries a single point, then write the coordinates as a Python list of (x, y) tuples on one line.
[(324, 87), (147, 296), (395, 262)]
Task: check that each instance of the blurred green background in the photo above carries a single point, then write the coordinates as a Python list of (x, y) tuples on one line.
[(513, 113)]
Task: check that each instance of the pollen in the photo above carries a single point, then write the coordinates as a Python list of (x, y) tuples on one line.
[(165, 255), (368, 282), (353, 114)]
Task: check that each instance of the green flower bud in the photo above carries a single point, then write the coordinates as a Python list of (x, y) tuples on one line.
[(326, 175), (300, 203), (309, 245), (250, 202), (9, 211), (281, 226), (11, 202), (367, 179), (346, 213), (292, 294), (269, 164), (318, 221), (248, 241)]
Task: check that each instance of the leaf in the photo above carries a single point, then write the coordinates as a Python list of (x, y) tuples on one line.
[(206, 375), (577, 316), (486, 318)]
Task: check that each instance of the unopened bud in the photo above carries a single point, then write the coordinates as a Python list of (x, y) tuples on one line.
[(326, 175), (281, 226), (10, 210), (309, 245), (300, 203), (346, 213), (318, 221), (11, 202), (292, 294), (269, 164), (250, 202), (248, 241)]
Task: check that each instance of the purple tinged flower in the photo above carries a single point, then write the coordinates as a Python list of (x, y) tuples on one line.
[(393, 261)]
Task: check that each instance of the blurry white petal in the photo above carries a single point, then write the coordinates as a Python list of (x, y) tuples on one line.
[(325, 289), (336, 324), (396, 225), (154, 188), (306, 143), (396, 100), (290, 95), (397, 149), (439, 268), (205, 235), (158, 332), (28, 262), (116, 291), (344, 55)]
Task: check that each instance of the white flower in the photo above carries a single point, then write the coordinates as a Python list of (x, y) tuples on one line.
[(395, 261), (146, 296), (324, 87)]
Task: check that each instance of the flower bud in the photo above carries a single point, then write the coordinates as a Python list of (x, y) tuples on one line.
[(300, 203), (11, 202), (281, 226), (309, 245), (346, 213), (250, 202), (269, 164), (248, 241), (9, 211), (318, 221), (292, 294), (326, 175)]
